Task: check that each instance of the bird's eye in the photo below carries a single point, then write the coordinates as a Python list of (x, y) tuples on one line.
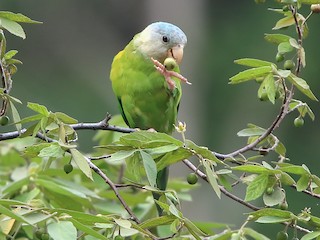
[(165, 39)]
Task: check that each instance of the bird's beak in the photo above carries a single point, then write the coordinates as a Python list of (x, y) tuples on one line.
[(176, 53)]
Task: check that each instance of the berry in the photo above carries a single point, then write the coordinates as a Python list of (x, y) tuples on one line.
[(288, 65), (45, 236), (282, 235), (192, 178), (269, 190), (283, 205), (298, 122), (118, 237), (4, 120), (68, 168), (169, 63)]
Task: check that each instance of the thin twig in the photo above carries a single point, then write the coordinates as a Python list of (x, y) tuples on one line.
[(114, 189)]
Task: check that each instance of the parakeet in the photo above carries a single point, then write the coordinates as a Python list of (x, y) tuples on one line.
[(149, 94)]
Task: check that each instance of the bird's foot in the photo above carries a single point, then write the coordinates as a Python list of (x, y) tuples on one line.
[(168, 74)]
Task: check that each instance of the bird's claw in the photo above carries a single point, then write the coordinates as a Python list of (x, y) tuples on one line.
[(168, 74)]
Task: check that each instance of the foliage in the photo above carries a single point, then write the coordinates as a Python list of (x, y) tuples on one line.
[(49, 189)]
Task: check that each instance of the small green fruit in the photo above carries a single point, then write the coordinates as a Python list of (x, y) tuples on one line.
[(288, 65), (192, 178), (298, 122), (38, 233), (118, 237), (269, 190), (169, 63), (282, 235), (4, 120), (279, 57), (283, 205), (68, 168), (45, 236)]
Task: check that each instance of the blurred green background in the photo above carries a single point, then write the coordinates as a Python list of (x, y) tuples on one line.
[(67, 62)]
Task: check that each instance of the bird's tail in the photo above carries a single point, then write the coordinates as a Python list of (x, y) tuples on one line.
[(162, 180)]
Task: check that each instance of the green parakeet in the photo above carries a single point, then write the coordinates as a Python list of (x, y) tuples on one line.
[(147, 92)]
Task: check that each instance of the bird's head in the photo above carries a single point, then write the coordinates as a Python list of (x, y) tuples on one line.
[(161, 40)]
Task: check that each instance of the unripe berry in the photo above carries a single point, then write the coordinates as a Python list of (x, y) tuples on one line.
[(288, 65), (192, 178), (68, 168), (298, 122)]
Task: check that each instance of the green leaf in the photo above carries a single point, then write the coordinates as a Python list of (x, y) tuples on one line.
[(150, 168), (13, 27), (161, 150), (272, 212), (87, 230), (256, 169), (254, 234), (284, 22), (81, 161), (120, 155), (193, 229), (53, 150), (10, 54), (272, 219), (211, 176), (269, 85), (284, 47), (251, 131), (140, 138), (277, 38), (281, 149), (276, 197), (65, 118), (251, 62), (173, 157), (257, 187), (250, 74), (15, 116), (302, 86), (17, 17), (154, 222), (122, 222), (289, 168), (33, 118), (38, 108), (303, 182), (283, 73), (174, 211), (311, 235), (286, 179), (62, 230)]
